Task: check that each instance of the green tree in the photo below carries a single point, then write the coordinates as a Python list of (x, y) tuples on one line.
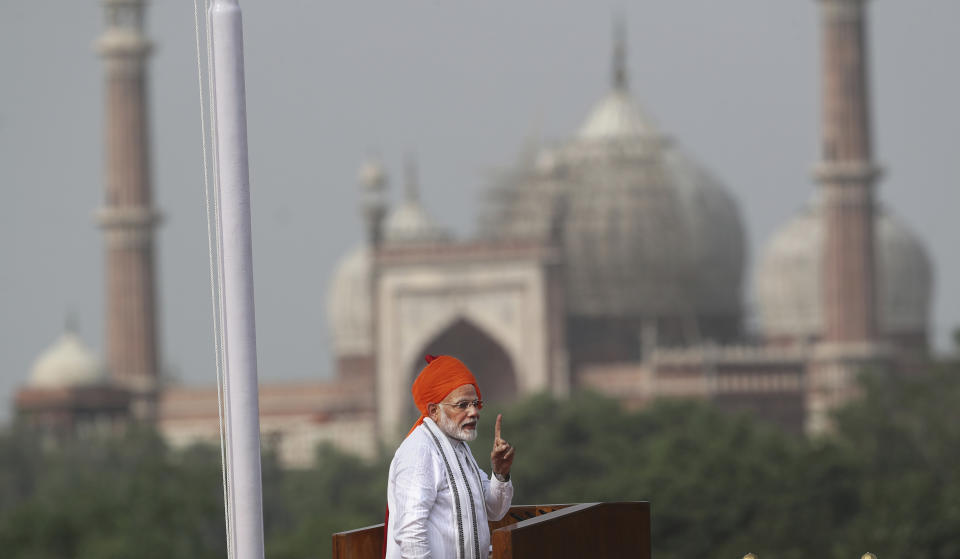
[(905, 434), (342, 492), (719, 484), (21, 460), (117, 498)]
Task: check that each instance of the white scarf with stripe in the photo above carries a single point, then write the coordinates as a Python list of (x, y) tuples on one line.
[(467, 492)]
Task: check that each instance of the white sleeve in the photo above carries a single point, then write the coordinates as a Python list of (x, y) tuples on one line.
[(415, 483), (497, 496)]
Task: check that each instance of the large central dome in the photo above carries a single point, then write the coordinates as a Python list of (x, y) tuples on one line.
[(647, 231)]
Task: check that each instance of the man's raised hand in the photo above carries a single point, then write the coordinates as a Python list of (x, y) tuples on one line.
[(501, 458)]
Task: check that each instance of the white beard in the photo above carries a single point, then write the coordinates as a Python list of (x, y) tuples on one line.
[(455, 431)]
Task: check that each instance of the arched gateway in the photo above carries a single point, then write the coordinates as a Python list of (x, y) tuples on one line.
[(496, 306)]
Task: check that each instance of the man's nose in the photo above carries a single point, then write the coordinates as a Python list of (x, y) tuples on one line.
[(472, 411)]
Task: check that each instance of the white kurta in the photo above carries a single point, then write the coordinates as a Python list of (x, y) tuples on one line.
[(422, 521)]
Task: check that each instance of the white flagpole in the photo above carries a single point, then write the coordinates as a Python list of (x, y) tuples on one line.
[(242, 417)]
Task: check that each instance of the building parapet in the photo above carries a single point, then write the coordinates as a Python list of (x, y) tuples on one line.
[(732, 355)]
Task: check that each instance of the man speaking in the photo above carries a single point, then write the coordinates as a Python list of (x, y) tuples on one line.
[(438, 499)]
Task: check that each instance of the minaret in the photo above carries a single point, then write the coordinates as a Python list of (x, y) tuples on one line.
[(373, 204), (847, 175), (127, 216)]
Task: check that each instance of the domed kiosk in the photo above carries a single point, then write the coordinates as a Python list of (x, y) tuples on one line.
[(68, 363), (69, 392)]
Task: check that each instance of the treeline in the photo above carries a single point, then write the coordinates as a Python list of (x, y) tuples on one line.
[(887, 481)]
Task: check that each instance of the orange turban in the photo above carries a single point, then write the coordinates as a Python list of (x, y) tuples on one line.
[(440, 377)]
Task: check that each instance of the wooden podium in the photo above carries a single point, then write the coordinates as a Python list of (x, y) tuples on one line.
[(595, 530)]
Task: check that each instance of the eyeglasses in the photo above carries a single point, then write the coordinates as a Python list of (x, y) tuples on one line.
[(463, 405)]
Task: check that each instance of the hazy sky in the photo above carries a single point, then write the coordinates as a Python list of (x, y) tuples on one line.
[(461, 84)]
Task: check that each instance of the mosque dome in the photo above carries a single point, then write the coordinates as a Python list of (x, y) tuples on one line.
[(646, 230), (67, 363), (717, 236), (788, 284), (349, 310)]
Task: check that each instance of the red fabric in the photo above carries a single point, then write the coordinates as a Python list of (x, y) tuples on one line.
[(386, 521), (442, 375)]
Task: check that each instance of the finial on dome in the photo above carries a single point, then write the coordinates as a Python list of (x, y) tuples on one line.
[(619, 53), (70, 323), (411, 185)]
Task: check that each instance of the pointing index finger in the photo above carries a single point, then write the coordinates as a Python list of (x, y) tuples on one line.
[(496, 432)]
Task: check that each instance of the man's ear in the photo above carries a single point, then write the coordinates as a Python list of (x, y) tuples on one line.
[(432, 410)]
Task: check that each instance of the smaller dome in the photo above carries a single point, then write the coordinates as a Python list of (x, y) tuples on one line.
[(67, 363), (788, 278), (348, 304), (906, 284)]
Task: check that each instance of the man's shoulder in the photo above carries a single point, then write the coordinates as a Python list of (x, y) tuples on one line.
[(417, 452), (418, 442)]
